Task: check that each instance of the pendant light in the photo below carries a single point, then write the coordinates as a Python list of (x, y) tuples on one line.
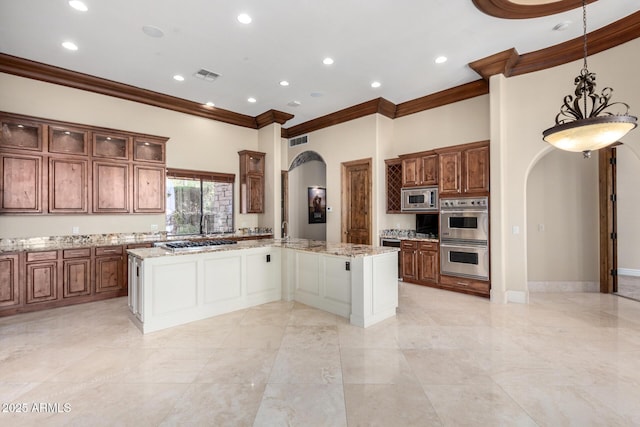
[(583, 123)]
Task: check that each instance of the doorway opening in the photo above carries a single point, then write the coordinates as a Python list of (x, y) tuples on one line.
[(307, 171)]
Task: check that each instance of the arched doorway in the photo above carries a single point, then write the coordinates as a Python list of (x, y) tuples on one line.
[(307, 176)]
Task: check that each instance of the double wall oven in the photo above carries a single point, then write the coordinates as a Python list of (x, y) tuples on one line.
[(464, 237)]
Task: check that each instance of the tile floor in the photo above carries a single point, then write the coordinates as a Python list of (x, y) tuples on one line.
[(447, 359)]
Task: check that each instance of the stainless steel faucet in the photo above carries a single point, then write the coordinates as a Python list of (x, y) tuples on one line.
[(285, 230)]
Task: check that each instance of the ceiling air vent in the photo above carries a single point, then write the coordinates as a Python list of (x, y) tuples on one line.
[(206, 75), (298, 140)]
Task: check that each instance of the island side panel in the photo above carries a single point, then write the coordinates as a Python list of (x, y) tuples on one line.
[(374, 289)]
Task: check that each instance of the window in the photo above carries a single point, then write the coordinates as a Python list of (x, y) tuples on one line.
[(199, 202)]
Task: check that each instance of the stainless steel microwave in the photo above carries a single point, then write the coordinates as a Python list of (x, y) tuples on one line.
[(419, 199)]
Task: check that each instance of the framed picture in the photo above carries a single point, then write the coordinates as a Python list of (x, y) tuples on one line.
[(317, 205)]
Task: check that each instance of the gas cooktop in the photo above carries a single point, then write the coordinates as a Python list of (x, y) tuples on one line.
[(185, 245)]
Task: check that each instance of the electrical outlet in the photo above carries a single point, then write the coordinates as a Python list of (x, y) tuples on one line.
[(154, 227), (541, 228), (75, 229)]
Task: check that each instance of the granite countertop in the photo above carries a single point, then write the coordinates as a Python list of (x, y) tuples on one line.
[(82, 241), (316, 246)]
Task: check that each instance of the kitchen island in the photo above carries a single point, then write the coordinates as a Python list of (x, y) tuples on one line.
[(169, 288)]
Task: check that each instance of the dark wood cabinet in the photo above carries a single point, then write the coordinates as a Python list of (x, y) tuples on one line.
[(68, 183), (42, 277), (467, 286), (110, 187), (394, 185), (9, 280), (420, 262), (111, 145), (20, 133), (148, 189), (252, 164), (21, 183), (420, 170), (68, 140), (147, 149), (464, 170), (109, 269)]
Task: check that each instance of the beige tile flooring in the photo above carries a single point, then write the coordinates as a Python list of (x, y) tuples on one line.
[(447, 359), (629, 286)]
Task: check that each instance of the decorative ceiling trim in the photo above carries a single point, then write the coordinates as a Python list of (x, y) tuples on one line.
[(438, 99), (50, 74), (378, 105), (500, 63), (272, 116), (509, 10)]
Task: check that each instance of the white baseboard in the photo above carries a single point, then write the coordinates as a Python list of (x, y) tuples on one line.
[(566, 286), (628, 272), (520, 297)]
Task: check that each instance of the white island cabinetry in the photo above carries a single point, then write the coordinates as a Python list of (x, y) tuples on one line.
[(354, 281)]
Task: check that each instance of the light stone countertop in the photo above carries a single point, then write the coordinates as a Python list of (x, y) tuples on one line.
[(316, 246)]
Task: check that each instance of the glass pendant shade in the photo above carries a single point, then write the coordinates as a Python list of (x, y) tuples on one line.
[(589, 134)]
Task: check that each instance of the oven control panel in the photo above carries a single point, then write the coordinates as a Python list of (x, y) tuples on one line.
[(466, 203)]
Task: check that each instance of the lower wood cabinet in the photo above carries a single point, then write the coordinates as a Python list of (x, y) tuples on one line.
[(408, 260), (467, 286), (76, 272), (420, 262), (42, 277), (9, 280), (109, 265)]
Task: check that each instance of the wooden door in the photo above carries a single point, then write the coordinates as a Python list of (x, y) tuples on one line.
[(9, 290), (450, 171), (110, 187), (476, 166), (148, 189), (68, 181), (21, 183), (356, 202)]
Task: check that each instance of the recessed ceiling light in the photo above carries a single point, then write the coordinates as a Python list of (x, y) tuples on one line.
[(294, 104), (327, 61), (441, 59), (178, 77), (152, 31), (316, 94), (78, 5), (252, 100), (562, 26), (69, 45), (243, 18), (210, 104), (284, 83), (375, 84)]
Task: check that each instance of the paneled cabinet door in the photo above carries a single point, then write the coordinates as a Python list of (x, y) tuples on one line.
[(410, 172), (42, 282), (76, 279), (450, 172), (408, 260), (21, 183), (255, 193), (476, 170), (9, 281), (429, 170), (428, 266), (68, 182), (109, 273), (110, 187), (21, 134), (148, 189)]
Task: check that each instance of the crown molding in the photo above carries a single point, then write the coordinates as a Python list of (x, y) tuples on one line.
[(50, 74), (438, 99), (509, 10), (500, 63)]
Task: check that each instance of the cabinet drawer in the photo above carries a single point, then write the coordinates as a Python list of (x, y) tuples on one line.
[(76, 253), (466, 284), (109, 250), (428, 246), (408, 244), (42, 256)]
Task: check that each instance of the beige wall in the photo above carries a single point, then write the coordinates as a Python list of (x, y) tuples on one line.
[(628, 189), (562, 219), (309, 174), (521, 108), (194, 143)]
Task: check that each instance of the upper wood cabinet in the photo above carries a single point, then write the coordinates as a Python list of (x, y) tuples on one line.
[(111, 145), (20, 133), (56, 167), (252, 164), (21, 183), (66, 140), (68, 182), (464, 170), (420, 170), (148, 150)]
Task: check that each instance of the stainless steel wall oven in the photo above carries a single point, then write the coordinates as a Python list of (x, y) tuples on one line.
[(464, 237)]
